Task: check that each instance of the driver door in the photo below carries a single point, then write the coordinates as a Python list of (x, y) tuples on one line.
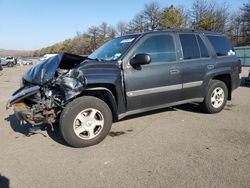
[(158, 83)]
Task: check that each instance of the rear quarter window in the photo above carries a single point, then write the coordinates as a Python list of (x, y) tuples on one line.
[(221, 45)]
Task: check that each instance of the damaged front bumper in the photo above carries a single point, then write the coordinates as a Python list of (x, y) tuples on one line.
[(21, 94), (21, 110), (25, 113)]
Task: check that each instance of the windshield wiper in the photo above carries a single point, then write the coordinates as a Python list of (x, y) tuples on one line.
[(96, 59)]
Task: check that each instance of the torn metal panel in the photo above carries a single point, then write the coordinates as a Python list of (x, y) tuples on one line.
[(72, 83), (46, 70)]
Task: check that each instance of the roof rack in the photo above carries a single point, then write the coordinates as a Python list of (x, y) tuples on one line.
[(182, 30)]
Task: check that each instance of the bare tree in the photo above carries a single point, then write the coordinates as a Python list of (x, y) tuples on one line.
[(93, 32), (137, 24), (103, 30), (200, 8), (152, 14), (185, 15), (220, 16), (121, 28), (246, 23), (234, 28), (112, 32), (210, 15), (78, 43)]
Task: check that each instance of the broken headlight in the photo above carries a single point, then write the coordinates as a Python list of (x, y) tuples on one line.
[(72, 83)]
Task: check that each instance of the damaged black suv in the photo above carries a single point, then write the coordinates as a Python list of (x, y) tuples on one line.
[(127, 75)]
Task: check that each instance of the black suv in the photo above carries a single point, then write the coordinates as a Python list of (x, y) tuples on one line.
[(128, 75)]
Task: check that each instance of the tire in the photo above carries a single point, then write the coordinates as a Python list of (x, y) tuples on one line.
[(216, 97), (86, 121), (10, 64)]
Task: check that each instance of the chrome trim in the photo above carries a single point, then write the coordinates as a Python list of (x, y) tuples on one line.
[(163, 89), (154, 90), (192, 84)]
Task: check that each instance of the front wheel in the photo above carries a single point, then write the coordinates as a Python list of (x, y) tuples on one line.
[(216, 97), (86, 121)]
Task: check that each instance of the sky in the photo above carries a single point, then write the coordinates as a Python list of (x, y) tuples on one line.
[(33, 24)]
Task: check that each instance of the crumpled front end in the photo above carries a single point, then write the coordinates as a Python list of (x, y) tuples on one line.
[(22, 110), (42, 103), (35, 105)]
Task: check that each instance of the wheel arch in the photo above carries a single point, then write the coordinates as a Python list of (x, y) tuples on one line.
[(226, 78), (107, 94)]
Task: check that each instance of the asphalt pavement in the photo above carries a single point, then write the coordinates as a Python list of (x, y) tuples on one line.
[(172, 147)]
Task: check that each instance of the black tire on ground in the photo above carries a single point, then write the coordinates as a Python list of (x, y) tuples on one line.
[(207, 106), (71, 111), (10, 64)]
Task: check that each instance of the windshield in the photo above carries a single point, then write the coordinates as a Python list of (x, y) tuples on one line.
[(113, 49)]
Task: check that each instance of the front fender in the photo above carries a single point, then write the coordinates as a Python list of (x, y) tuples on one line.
[(111, 101)]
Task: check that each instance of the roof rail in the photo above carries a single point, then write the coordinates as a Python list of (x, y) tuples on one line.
[(172, 29)]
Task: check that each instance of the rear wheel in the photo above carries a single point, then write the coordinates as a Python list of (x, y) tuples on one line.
[(10, 64), (216, 97), (85, 122)]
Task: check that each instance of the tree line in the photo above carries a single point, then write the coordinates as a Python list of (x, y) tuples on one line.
[(204, 15)]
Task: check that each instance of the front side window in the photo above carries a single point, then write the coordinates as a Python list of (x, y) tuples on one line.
[(221, 45), (161, 48), (190, 46)]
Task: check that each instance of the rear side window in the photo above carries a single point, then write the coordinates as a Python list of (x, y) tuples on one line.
[(221, 45), (190, 46), (161, 48), (203, 48)]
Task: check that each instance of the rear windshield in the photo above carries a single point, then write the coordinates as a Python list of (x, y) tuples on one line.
[(221, 45)]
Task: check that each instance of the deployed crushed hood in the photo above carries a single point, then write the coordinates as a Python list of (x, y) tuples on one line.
[(45, 71)]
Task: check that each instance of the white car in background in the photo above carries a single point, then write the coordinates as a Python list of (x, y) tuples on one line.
[(27, 62), (23, 61), (47, 56)]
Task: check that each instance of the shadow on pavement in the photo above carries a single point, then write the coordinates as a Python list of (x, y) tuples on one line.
[(4, 182), (16, 126), (243, 82), (56, 136), (195, 108), (148, 113), (185, 107), (25, 130)]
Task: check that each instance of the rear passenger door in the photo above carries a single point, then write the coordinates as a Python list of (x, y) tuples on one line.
[(195, 59)]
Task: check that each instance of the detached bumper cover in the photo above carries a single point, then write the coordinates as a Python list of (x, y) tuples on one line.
[(21, 94)]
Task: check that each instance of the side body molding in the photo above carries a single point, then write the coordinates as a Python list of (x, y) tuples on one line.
[(164, 88)]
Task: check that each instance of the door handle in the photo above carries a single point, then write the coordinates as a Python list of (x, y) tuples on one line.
[(210, 66), (174, 71)]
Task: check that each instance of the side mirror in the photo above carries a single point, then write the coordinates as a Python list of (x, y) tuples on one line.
[(140, 59)]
